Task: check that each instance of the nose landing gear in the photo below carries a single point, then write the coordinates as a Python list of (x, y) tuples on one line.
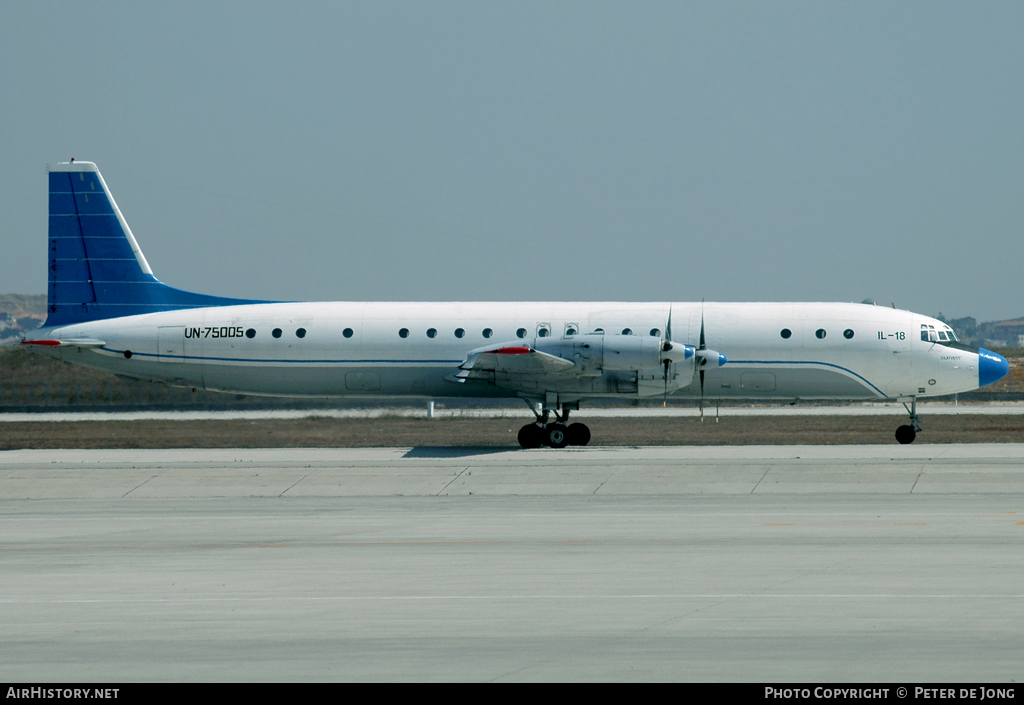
[(556, 435), (906, 434)]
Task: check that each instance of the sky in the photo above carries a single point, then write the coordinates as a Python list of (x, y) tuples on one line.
[(580, 151)]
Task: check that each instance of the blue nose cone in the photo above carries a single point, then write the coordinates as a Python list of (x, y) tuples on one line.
[(992, 367)]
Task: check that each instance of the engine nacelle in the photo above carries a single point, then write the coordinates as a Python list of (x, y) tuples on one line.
[(595, 353)]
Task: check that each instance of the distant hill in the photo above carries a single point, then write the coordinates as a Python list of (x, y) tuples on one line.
[(20, 313)]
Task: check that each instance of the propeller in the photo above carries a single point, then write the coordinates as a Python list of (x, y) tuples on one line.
[(666, 361), (702, 362), (677, 352), (672, 353), (706, 358)]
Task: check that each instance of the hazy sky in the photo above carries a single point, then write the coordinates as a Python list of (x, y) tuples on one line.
[(521, 151)]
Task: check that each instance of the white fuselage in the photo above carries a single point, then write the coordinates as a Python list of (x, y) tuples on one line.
[(356, 349)]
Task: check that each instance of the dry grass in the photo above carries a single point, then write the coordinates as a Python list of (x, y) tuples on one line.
[(400, 432)]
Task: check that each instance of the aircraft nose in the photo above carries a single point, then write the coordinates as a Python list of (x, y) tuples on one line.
[(992, 367)]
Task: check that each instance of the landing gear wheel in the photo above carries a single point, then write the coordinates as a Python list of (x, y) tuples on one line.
[(906, 434), (531, 436), (579, 434), (556, 435)]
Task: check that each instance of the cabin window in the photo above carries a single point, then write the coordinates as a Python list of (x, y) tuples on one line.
[(820, 334), (432, 332), (459, 332), (655, 333), (848, 333), (571, 329), (487, 332), (404, 333), (521, 333), (300, 333), (543, 330), (786, 333), (627, 331), (276, 333), (347, 332), (251, 333)]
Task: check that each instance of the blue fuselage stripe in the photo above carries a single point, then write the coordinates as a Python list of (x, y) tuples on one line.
[(808, 362), (291, 361), (380, 361)]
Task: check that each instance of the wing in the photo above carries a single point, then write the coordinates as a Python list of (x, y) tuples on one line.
[(510, 363)]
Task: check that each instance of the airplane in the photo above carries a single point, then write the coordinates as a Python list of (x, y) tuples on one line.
[(106, 310)]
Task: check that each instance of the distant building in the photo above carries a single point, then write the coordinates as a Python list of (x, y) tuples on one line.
[(994, 343), (19, 314), (1008, 330)]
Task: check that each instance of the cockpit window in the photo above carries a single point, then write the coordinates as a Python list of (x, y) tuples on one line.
[(946, 337)]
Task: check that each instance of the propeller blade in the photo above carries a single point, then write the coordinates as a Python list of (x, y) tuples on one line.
[(702, 396), (664, 403), (705, 356), (667, 347), (704, 362)]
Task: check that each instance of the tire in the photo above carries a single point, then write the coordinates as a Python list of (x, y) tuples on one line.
[(556, 435), (530, 436), (906, 434), (579, 434)]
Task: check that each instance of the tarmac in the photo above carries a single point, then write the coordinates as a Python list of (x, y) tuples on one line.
[(898, 564), (939, 408)]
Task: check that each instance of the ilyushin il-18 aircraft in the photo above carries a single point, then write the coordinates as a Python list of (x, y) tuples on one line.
[(107, 311)]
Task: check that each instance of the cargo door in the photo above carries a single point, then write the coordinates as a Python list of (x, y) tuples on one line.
[(171, 343)]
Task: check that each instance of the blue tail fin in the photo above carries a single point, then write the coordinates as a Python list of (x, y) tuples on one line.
[(97, 270)]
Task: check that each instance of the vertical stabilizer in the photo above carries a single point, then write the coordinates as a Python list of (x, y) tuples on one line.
[(96, 268)]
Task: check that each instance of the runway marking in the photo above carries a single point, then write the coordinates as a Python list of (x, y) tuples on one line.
[(293, 484), (778, 540), (760, 479), (449, 517), (916, 480), (152, 477), (451, 481), (424, 598), (862, 523)]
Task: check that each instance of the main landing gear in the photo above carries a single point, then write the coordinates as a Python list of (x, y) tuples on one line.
[(907, 434), (556, 435)]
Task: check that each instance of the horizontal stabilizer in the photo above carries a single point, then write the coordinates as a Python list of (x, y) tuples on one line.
[(69, 342)]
